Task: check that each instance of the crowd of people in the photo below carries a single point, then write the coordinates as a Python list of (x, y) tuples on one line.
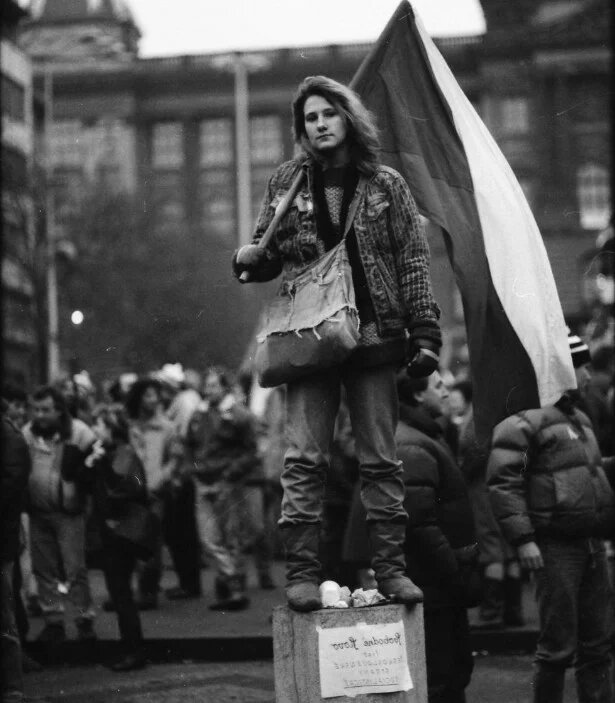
[(193, 461), (373, 476)]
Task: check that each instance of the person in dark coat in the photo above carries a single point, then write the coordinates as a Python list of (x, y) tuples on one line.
[(501, 572), (15, 470), (594, 401), (441, 548), (128, 530)]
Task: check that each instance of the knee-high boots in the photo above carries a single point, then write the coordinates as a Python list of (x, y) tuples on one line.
[(301, 543), (387, 540)]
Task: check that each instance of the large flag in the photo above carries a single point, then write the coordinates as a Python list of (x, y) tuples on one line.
[(431, 134)]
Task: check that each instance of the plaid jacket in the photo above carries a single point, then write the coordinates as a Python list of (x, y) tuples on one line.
[(390, 238)]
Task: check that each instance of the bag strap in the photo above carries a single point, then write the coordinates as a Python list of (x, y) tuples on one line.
[(281, 209), (354, 205)]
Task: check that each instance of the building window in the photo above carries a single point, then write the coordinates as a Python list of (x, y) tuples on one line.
[(514, 115), (108, 177), (66, 143), (14, 169), (168, 198), (266, 140), (593, 194), (68, 192), (167, 145), (13, 99), (218, 201), (216, 142), (105, 137), (260, 179)]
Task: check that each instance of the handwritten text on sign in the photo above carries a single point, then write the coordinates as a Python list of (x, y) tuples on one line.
[(363, 659)]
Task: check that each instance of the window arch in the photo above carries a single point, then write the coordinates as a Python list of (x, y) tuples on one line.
[(593, 194)]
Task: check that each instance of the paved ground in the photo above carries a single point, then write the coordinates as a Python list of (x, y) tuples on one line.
[(495, 680), (192, 619), (223, 657)]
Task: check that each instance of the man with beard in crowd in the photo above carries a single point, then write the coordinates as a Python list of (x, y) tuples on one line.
[(57, 442)]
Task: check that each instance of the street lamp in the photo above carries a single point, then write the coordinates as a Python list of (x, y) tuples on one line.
[(77, 317)]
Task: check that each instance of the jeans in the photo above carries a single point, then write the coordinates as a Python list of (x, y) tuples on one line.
[(10, 652), (119, 566), (30, 586), (575, 609), (312, 404), (219, 508), (58, 557)]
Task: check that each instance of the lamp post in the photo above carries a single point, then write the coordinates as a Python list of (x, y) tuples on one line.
[(242, 142), (241, 66), (53, 349)]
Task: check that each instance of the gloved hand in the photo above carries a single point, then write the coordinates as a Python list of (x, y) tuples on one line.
[(424, 345), (245, 260), (425, 359)]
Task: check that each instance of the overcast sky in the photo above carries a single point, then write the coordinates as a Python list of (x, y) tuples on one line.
[(203, 26)]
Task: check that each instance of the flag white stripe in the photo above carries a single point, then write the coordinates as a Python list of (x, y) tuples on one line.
[(516, 254)]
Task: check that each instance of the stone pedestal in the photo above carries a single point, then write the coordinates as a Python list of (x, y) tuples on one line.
[(362, 654)]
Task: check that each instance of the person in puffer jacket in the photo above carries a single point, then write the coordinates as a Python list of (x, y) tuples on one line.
[(554, 504)]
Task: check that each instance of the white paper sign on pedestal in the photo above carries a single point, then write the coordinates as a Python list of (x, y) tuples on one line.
[(363, 659)]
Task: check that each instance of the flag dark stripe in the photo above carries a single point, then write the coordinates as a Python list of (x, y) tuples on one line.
[(419, 139)]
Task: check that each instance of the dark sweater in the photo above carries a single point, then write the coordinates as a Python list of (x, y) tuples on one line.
[(15, 470)]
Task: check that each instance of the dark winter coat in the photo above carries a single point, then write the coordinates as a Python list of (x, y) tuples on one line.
[(221, 443), (441, 549), (15, 470), (545, 476), (390, 239), (115, 478)]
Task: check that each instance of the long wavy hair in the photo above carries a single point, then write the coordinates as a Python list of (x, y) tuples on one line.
[(136, 393), (362, 134)]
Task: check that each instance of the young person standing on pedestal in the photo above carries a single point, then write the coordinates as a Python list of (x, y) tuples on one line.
[(337, 149)]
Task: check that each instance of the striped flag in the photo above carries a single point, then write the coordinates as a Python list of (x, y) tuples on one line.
[(431, 134)]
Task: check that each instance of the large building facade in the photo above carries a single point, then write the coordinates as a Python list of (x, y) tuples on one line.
[(198, 136), (20, 352)]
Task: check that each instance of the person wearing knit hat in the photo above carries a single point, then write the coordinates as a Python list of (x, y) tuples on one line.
[(581, 359), (579, 351), (553, 503)]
